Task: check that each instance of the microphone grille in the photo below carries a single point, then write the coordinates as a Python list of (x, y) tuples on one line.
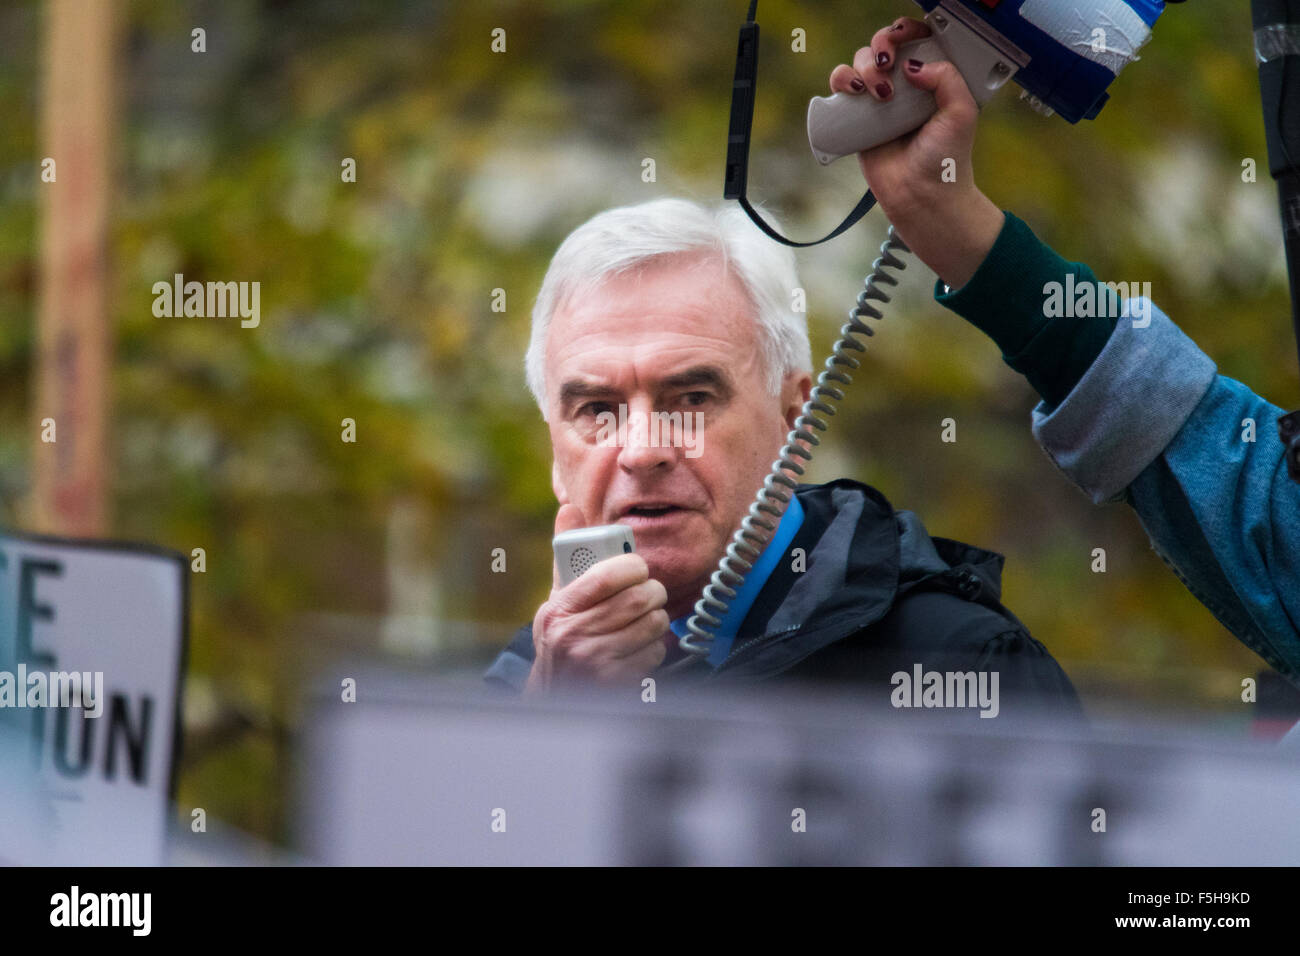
[(581, 560)]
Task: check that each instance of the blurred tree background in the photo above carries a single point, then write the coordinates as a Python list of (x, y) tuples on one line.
[(471, 166)]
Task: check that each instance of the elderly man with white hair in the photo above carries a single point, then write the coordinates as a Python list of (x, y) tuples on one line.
[(672, 307)]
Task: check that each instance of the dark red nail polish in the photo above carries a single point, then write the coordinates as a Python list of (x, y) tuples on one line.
[(882, 59), (914, 66), (882, 90), (857, 84)]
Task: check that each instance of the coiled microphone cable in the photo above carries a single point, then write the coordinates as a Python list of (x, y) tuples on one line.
[(770, 501)]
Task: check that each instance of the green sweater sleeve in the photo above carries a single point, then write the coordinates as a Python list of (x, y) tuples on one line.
[(1042, 334)]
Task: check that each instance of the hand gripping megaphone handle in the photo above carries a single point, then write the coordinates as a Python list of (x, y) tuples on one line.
[(843, 124)]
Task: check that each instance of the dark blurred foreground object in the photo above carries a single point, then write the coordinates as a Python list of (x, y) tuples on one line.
[(1277, 46), (1278, 709), (418, 771)]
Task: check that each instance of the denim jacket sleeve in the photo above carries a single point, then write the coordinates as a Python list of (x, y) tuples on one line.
[(1198, 457)]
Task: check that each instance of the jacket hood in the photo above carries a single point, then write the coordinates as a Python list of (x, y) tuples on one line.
[(923, 556)]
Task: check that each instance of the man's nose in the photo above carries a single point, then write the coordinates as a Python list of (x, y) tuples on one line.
[(649, 443)]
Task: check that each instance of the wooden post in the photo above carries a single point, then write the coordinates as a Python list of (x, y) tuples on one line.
[(69, 492)]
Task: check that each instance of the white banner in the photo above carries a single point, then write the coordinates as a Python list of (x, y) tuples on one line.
[(99, 769)]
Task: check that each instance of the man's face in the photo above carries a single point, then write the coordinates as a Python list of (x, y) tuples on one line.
[(677, 335)]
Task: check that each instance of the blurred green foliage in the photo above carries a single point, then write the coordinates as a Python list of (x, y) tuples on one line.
[(471, 167)]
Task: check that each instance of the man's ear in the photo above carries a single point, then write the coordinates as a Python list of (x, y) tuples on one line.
[(561, 493), (795, 391)]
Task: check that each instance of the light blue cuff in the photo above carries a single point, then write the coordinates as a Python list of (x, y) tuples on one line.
[(1128, 406)]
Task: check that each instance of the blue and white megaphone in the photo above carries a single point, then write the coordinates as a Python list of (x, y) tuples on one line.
[(1063, 53)]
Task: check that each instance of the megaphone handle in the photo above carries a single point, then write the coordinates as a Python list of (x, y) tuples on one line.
[(844, 123)]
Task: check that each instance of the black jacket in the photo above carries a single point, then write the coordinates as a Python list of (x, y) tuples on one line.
[(877, 597)]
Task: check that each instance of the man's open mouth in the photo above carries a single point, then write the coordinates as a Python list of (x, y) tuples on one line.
[(652, 511), (653, 514)]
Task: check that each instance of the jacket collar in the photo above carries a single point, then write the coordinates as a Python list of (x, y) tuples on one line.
[(860, 554)]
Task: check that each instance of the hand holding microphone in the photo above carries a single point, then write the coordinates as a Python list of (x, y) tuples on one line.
[(605, 618)]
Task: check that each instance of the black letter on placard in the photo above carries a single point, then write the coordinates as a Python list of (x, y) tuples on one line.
[(62, 715), (137, 745), (29, 610)]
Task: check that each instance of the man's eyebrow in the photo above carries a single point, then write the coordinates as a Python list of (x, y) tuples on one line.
[(574, 389), (712, 375)]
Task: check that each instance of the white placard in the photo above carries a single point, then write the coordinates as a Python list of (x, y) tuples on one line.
[(99, 786)]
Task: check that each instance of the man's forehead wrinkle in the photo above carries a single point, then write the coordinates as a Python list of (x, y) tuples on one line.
[(628, 324), (658, 362), (608, 345), (653, 323)]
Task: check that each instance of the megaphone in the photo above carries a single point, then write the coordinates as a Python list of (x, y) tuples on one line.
[(1063, 55)]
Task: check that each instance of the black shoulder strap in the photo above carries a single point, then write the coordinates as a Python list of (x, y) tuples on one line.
[(861, 209), (743, 90)]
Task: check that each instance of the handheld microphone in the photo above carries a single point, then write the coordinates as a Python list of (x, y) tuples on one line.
[(579, 550)]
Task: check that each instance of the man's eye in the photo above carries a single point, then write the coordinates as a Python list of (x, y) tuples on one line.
[(697, 398), (594, 408)]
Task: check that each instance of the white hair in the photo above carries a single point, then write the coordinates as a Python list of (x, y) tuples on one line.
[(619, 240)]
